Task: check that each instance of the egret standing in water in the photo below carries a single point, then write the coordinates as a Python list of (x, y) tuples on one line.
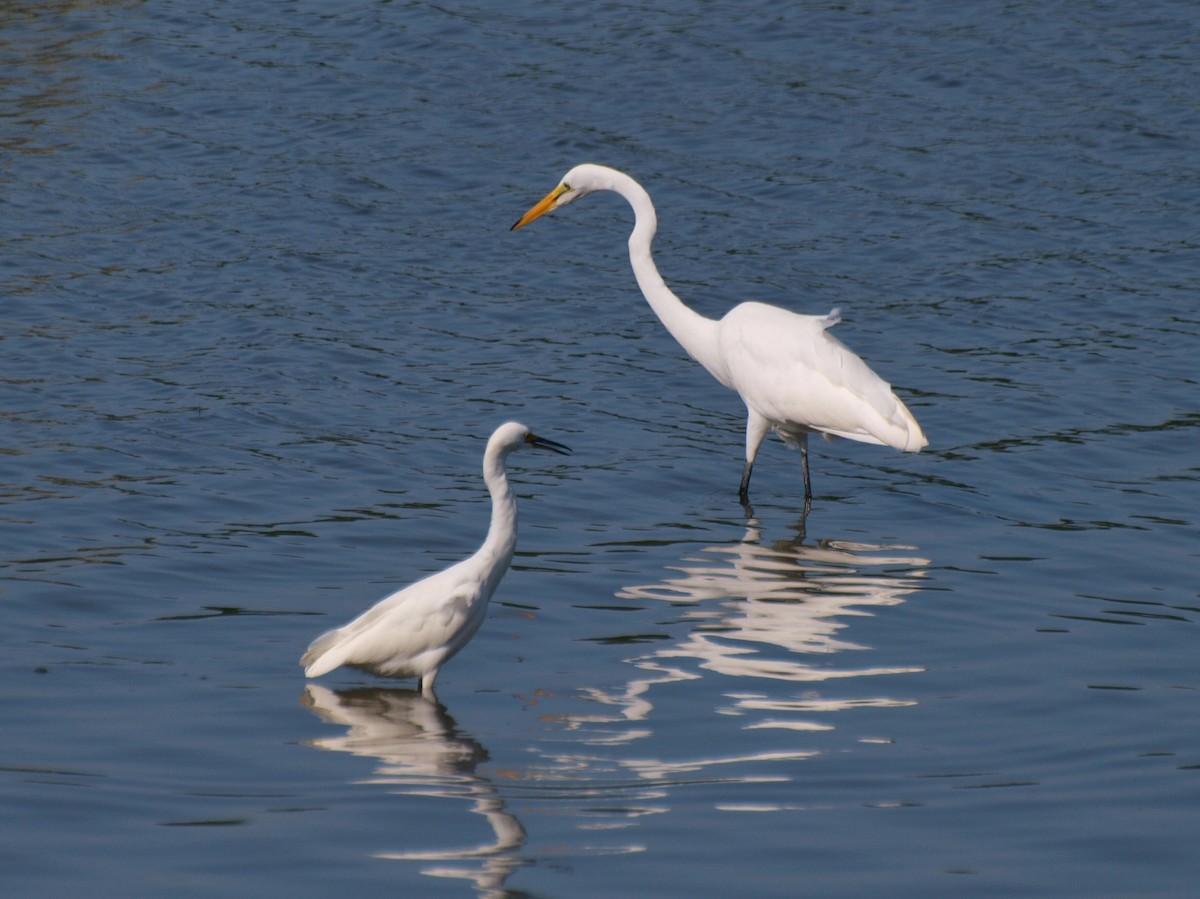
[(415, 631), (794, 377)]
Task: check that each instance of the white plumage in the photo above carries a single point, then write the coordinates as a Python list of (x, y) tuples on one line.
[(416, 630), (794, 377)]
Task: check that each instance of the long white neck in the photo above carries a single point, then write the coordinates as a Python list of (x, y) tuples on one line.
[(695, 333), (501, 541)]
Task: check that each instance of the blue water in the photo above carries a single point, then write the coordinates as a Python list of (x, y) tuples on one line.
[(261, 308)]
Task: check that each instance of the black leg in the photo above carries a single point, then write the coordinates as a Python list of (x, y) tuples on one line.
[(804, 468), (744, 489)]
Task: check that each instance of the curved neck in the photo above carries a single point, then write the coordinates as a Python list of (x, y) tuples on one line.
[(695, 333), (501, 538)]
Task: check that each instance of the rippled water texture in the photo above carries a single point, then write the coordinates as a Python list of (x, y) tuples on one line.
[(261, 308)]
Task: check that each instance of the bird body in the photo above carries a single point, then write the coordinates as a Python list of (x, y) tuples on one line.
[(794, 377), (416, 630), (791, 371), (412, 632)]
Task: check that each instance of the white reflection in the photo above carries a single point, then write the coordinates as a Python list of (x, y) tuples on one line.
[(777, 612), (777, 616), (424, 753)]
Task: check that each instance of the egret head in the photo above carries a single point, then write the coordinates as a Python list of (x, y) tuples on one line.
[(579, 182), (513, 435)]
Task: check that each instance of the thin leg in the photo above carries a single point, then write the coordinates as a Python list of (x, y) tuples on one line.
[(756, 430), (744, 489), (804, 468)]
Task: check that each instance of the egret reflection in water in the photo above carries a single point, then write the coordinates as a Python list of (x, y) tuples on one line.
[(424, 752), (776, 611), (776, 616)]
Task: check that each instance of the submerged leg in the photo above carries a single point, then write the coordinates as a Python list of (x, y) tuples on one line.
[(756, 430), (744, 489), (804, 468)]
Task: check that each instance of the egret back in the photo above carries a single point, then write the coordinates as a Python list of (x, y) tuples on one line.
[(802, 379), (410, 632)]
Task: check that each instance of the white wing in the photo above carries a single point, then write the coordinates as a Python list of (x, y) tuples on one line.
[(408, 633), (791, 371)]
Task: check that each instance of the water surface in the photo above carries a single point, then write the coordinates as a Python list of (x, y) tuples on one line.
[(261, 310)]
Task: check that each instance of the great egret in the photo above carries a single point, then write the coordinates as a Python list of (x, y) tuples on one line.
[(416, 630), (794, 377)]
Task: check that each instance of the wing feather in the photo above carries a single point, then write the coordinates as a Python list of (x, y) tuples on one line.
[(426, 614), (790, 370)]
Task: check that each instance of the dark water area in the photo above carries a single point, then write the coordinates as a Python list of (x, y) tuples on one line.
[(260, 309)]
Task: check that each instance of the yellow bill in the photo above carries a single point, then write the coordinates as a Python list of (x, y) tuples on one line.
[(543, 206)]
